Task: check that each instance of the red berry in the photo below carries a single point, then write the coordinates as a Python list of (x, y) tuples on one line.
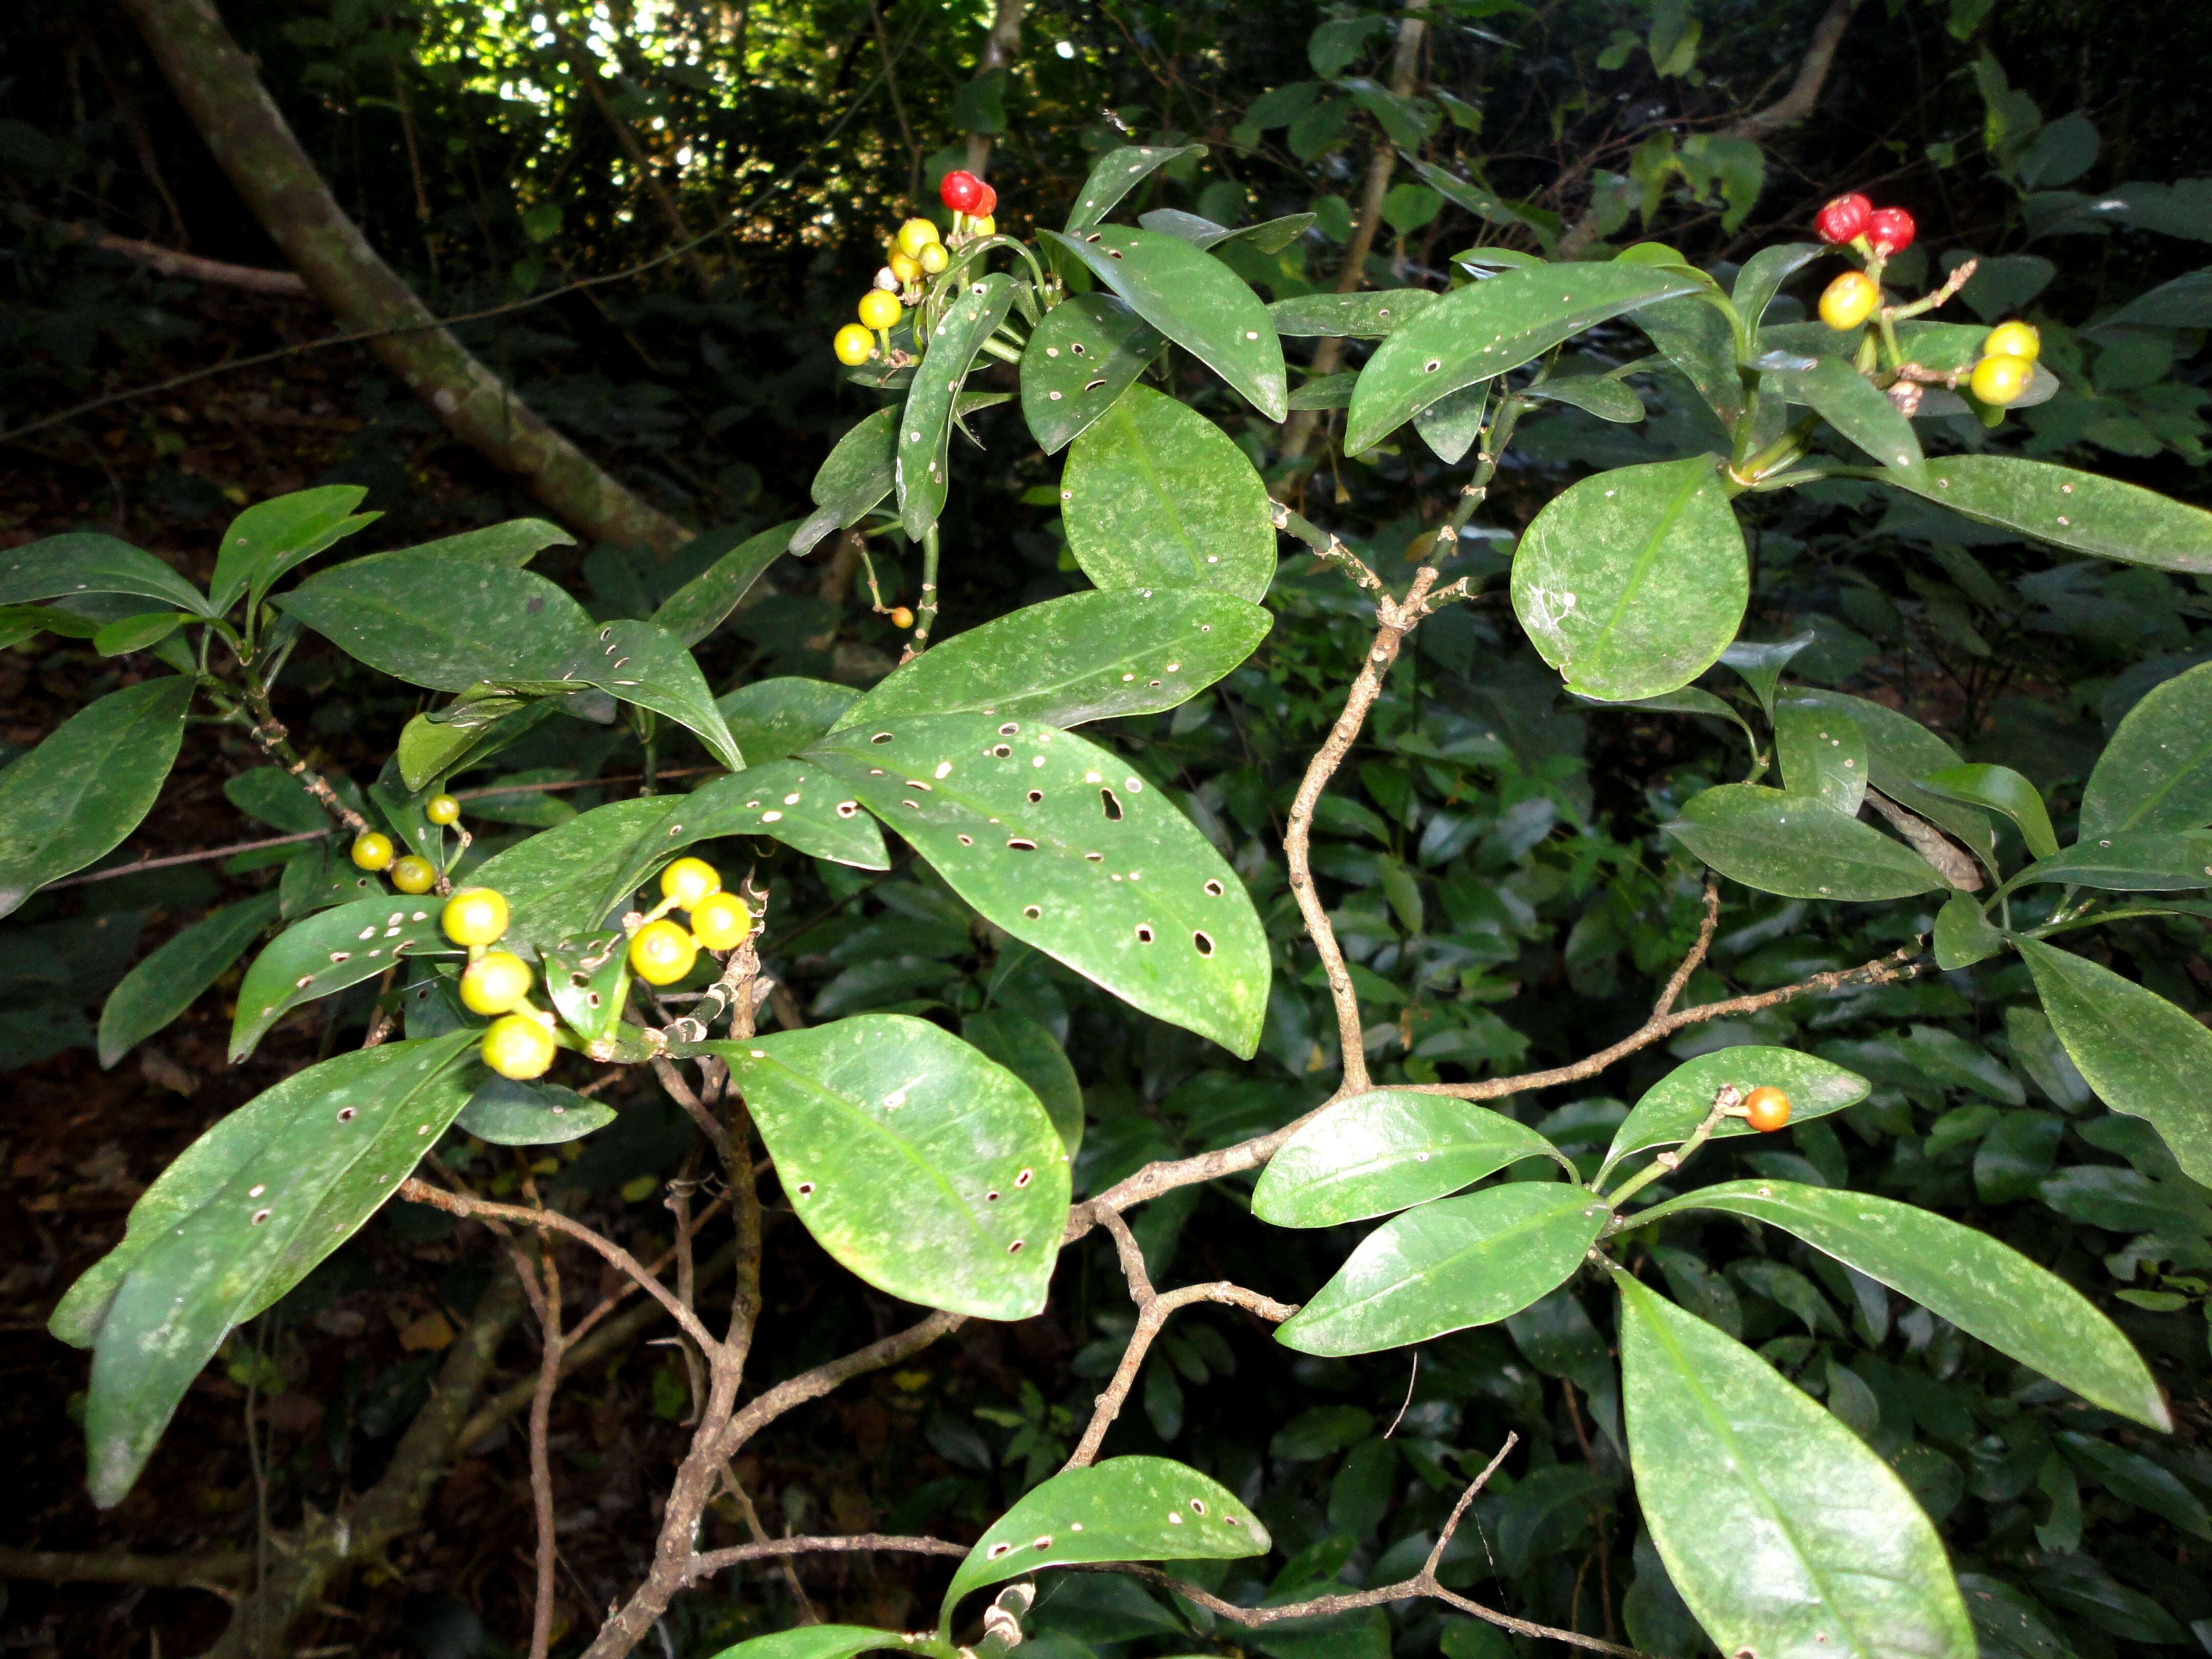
[(1889, 230), (1843, 218), (961, 190), (987, 203)]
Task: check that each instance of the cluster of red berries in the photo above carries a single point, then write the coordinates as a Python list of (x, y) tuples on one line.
[(917, 253), (1887, 232)]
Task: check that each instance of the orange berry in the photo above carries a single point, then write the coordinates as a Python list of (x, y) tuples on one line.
[(901, 616), (1766, 1109)]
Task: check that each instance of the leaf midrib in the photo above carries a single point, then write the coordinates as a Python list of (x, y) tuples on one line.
[(1422, 1277), (1593, 661)]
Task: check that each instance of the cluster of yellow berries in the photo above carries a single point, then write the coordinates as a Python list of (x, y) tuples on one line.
[(662, 951), (2007, 366), (916, 252), (372, 850)]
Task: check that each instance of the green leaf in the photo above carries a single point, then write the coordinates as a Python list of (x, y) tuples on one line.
[(1126, 1509), (1673, 1107), (85, 562), (2081, 511), (273, 537), (1697, 340), (1086, 657), (859, 473), (1365, 316), (1593, 394), (431, 620), (1450, 425), (588, 979), (239, 1218), (1193, 299), (1964, 935), (922, 468), (793, 801), (511, 542), (1988, 1290), (771, 719), (1444, 1266), (87, 784), (1781, 1528), (2141, 1055), (2134, 1478), (327, 953), (1483, 330), (1797, 847), (1388, 1150), (1156, 495), (2156, 772), (271, 795), (1899, 750), (1117, 173), (508, 1113), (2002, 790), (1823, 754), (1856, 407), (1032, 1054), (886, 1131), (703, 604), (1077, 362), (170, 979), (569, 880), (148, 627), (1763, 276), (1632, 582), (2138, 862), (640, 663), (1269, 236), (430, 748), (817, 1642), (1056, 841)]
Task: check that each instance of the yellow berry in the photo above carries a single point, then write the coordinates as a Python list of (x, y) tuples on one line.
[(518, 1045), (475, 916), (441, 810), (413, 875), (2013, 339), (984, 226), (880, 310), (495, 983), (372, 851), (915, 235), (1998, 382), (1850, 300), (660, 953), (688, 880), (901, 616), (903, 268), (853, 345), (932, 259), (720, 921)]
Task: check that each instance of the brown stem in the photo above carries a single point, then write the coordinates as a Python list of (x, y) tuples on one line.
[(806, 1614), (546, 1304), (1706, 928), (190, 267), (710, 1562), (207, 1573), (270, 733)]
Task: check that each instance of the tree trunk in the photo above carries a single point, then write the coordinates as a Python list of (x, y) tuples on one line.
[(219, 89)]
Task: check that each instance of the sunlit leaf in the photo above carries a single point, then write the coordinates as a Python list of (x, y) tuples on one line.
[(1079, 360), (1673, 1108), (1387, 1149), (1797, 845)]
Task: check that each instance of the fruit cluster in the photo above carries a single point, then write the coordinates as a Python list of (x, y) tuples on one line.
[(2006, 365), (372, 850), (917, 254)]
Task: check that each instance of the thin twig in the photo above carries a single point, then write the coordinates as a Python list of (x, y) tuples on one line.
[(710, 1562)]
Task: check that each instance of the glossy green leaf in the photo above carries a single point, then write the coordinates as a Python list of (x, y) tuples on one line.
[(1115, 174), (569, 880), (817, 1642), (445, 623), (1368, 315), (1388, 1150), (2081, 511), (511, 542), (888, 1131), (1056, 841), (1823, 754), (860, 471), (1269, 236), (1032, 1054), (1483, 330), (1450, 425), (1632, 582), (640, 663), (1672, 1107), (1697, 340), (429, 750), (1763, 274), (2141, 1055), (1988, 1290), (1899, 751), (1856, 407), (138, 633), (1964, 935), (1156, 495), (587, 977), (1593, 394), (2134, 1478), (771, 719), (86, 562), (1456, 1262), (275, 536), (2139, 861), (19, 623), (1079, 360), (922, 468), (1085, 657), (2156, 772), (87, 784), (329, 952), (508, 1113), (704, 604), (2000, 789), (170, 979), (1126, 1509), (794, 801), (239, 1218), (271, 795), (1195, 300), (1784, 1533), (1797, 845)]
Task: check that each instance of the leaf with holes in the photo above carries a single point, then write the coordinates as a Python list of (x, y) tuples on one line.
[(170, 979), (1056, 841), (1195, 300), (1367, 316), (1126, 1509), (641, 663), (447, 623), (1823, 754), (1444, 1266), (1672, 1107), (1079, 360), (921, 468), (275, 536), (1486, 328), (1086, 657), (329, 952), (859, 473), (239, 1218), (1117, 173), (1781, 1529), (1388, 1150), (85, 562), (1856, 407), (793, 801), (508, 1113), (1156, 495), (87, 784), (2079, 511), (588, 980), (2141, 861), (703, 604), (2156, 772), (891, 1134), (1632, 582), (1797, 845)]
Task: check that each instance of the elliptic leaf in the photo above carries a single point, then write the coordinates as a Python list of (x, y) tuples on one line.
[(443, 623), (2001, 789), (588, 979), (2156, 773), (928, 1169), (1697, 340), (1673, 1107), (640, 663), (1388, 1150), (793, 801), (1056, 841), (514, 542), (1784, 1533), (1763, 276), (1086, 657), (1268, 236), (1823, 754), (1859, 409), (1032, 1054), (1156, 495), (1117, 173), (171, 979), (1365, 316), (1126, 1509), (1988, 1290), (272, 537), (1632, 582), (86, 562), (922, 467), (2081, 511), (771, 719), (1195, 300), (569, 880), (1595, 394), (508, 1113), (1964, 935), (329, 952), (1490, 326), (817, 1642), (703, 604), (1797, 845), (87, 784), (859, 473), (2141, 1055), (1450, 425), (2138, 861), (1899, 750), (138, 633), (1079, 360)]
